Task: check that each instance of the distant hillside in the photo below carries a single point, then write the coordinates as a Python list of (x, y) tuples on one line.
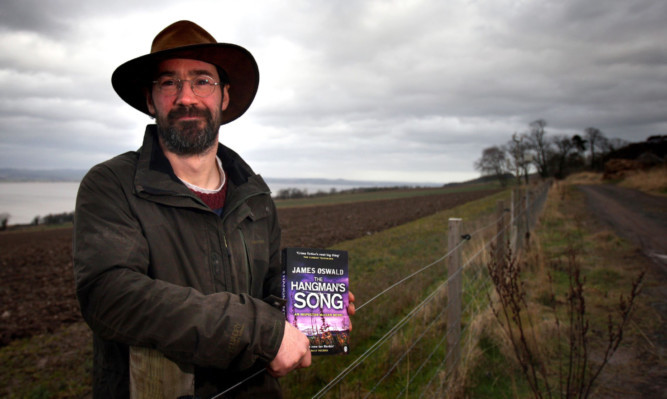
[(51, 175), (342, 182), (75, 175), (480, 180)]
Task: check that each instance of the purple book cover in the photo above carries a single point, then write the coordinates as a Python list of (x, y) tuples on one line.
[(315, 289)]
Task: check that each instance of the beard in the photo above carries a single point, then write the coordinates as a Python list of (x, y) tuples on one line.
[(187, 137)]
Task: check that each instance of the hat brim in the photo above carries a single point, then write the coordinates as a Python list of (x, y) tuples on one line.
[(131, 78)]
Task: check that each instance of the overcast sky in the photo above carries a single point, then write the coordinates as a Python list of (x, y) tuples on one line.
[(407, 91)]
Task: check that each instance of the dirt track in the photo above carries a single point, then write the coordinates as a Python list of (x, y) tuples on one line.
[(37, 289), (641, 219), (635, 216)]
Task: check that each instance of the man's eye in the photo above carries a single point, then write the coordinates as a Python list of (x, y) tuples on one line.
[(167, 82), (203, 81)]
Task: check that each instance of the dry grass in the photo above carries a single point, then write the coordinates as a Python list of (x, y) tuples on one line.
[(609, 266), (584, 178), (653, 181)]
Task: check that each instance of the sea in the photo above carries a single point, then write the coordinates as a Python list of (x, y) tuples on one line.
[(25, 201)]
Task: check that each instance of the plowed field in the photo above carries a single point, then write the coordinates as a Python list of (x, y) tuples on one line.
[(37, 283)]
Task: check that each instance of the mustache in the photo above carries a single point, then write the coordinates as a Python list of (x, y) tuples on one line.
[(182, 111)]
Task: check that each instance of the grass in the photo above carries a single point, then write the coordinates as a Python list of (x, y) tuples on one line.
[(48, 365), (488, 369), (51, 365), (652, 181), (608, 264), (376, 262), (380, 194)]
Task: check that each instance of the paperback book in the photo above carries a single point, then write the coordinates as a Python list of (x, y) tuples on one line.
[(315, 289)]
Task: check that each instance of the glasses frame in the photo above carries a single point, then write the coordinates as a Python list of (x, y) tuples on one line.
[(179, 85)]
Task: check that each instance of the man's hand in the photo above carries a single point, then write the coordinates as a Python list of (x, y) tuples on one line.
[(294, 352), (351, 309)]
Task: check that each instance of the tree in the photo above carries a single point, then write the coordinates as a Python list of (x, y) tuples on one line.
[(519, 162), (492, 163), (579, 143), (564, 146), (595, 139), (540, 145), (576, 160), (613, 144)]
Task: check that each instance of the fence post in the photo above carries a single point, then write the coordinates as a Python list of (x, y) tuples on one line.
[(527, 210), (500, 233), (516, 220), (454, 274)]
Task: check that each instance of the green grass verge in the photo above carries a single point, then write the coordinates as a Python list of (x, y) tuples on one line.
[(54, 365), (376, 262), (608, 264), (375, 195), (59, 365)]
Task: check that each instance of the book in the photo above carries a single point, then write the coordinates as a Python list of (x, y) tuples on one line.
[(315, 290)]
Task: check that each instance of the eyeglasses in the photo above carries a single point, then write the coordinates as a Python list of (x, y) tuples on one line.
[(201, 85)]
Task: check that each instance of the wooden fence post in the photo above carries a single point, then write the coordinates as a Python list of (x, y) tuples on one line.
[(500, 234), (527, 232), (514, 219), (454, 296)]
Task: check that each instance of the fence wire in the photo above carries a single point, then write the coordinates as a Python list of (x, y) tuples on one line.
[(529, 211)]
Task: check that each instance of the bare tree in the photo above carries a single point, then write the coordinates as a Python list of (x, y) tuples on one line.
[(493, 163), (541, 145), (519, 162), (595, 139)]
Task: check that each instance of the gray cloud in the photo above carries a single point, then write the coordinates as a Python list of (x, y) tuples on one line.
[(408, 89)]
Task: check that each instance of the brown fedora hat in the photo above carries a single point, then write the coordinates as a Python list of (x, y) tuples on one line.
[(185, 39)]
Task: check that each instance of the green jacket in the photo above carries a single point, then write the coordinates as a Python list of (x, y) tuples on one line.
[(155, 267)]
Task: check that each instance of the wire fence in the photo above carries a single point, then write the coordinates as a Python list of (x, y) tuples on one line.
[(433, 333)]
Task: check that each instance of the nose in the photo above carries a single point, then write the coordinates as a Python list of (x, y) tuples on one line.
[(185, 95)]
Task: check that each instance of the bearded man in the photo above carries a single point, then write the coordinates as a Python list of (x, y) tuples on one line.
[(177, 244)]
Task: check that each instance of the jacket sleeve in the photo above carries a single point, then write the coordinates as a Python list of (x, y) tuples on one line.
[(122, 303)]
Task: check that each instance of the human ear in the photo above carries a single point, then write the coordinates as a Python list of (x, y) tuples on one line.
[(149, 102), (225, 97)]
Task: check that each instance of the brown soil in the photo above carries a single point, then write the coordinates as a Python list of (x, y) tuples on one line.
[(37, 291), (641, 219)]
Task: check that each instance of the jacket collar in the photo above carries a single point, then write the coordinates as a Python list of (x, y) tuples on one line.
[(155, 178)]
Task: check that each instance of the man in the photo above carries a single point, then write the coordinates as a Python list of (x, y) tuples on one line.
[(177, 245)]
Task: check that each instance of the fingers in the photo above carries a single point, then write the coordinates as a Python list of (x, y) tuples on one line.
[(351, 309), (294, 352)]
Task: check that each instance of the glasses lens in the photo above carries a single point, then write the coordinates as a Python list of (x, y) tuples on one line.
[(203, 85), (168, 85)]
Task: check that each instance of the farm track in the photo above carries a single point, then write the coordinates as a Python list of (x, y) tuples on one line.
[(37, 291), (641, 219)]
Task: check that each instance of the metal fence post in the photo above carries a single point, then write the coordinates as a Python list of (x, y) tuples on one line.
[(454, 296)]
